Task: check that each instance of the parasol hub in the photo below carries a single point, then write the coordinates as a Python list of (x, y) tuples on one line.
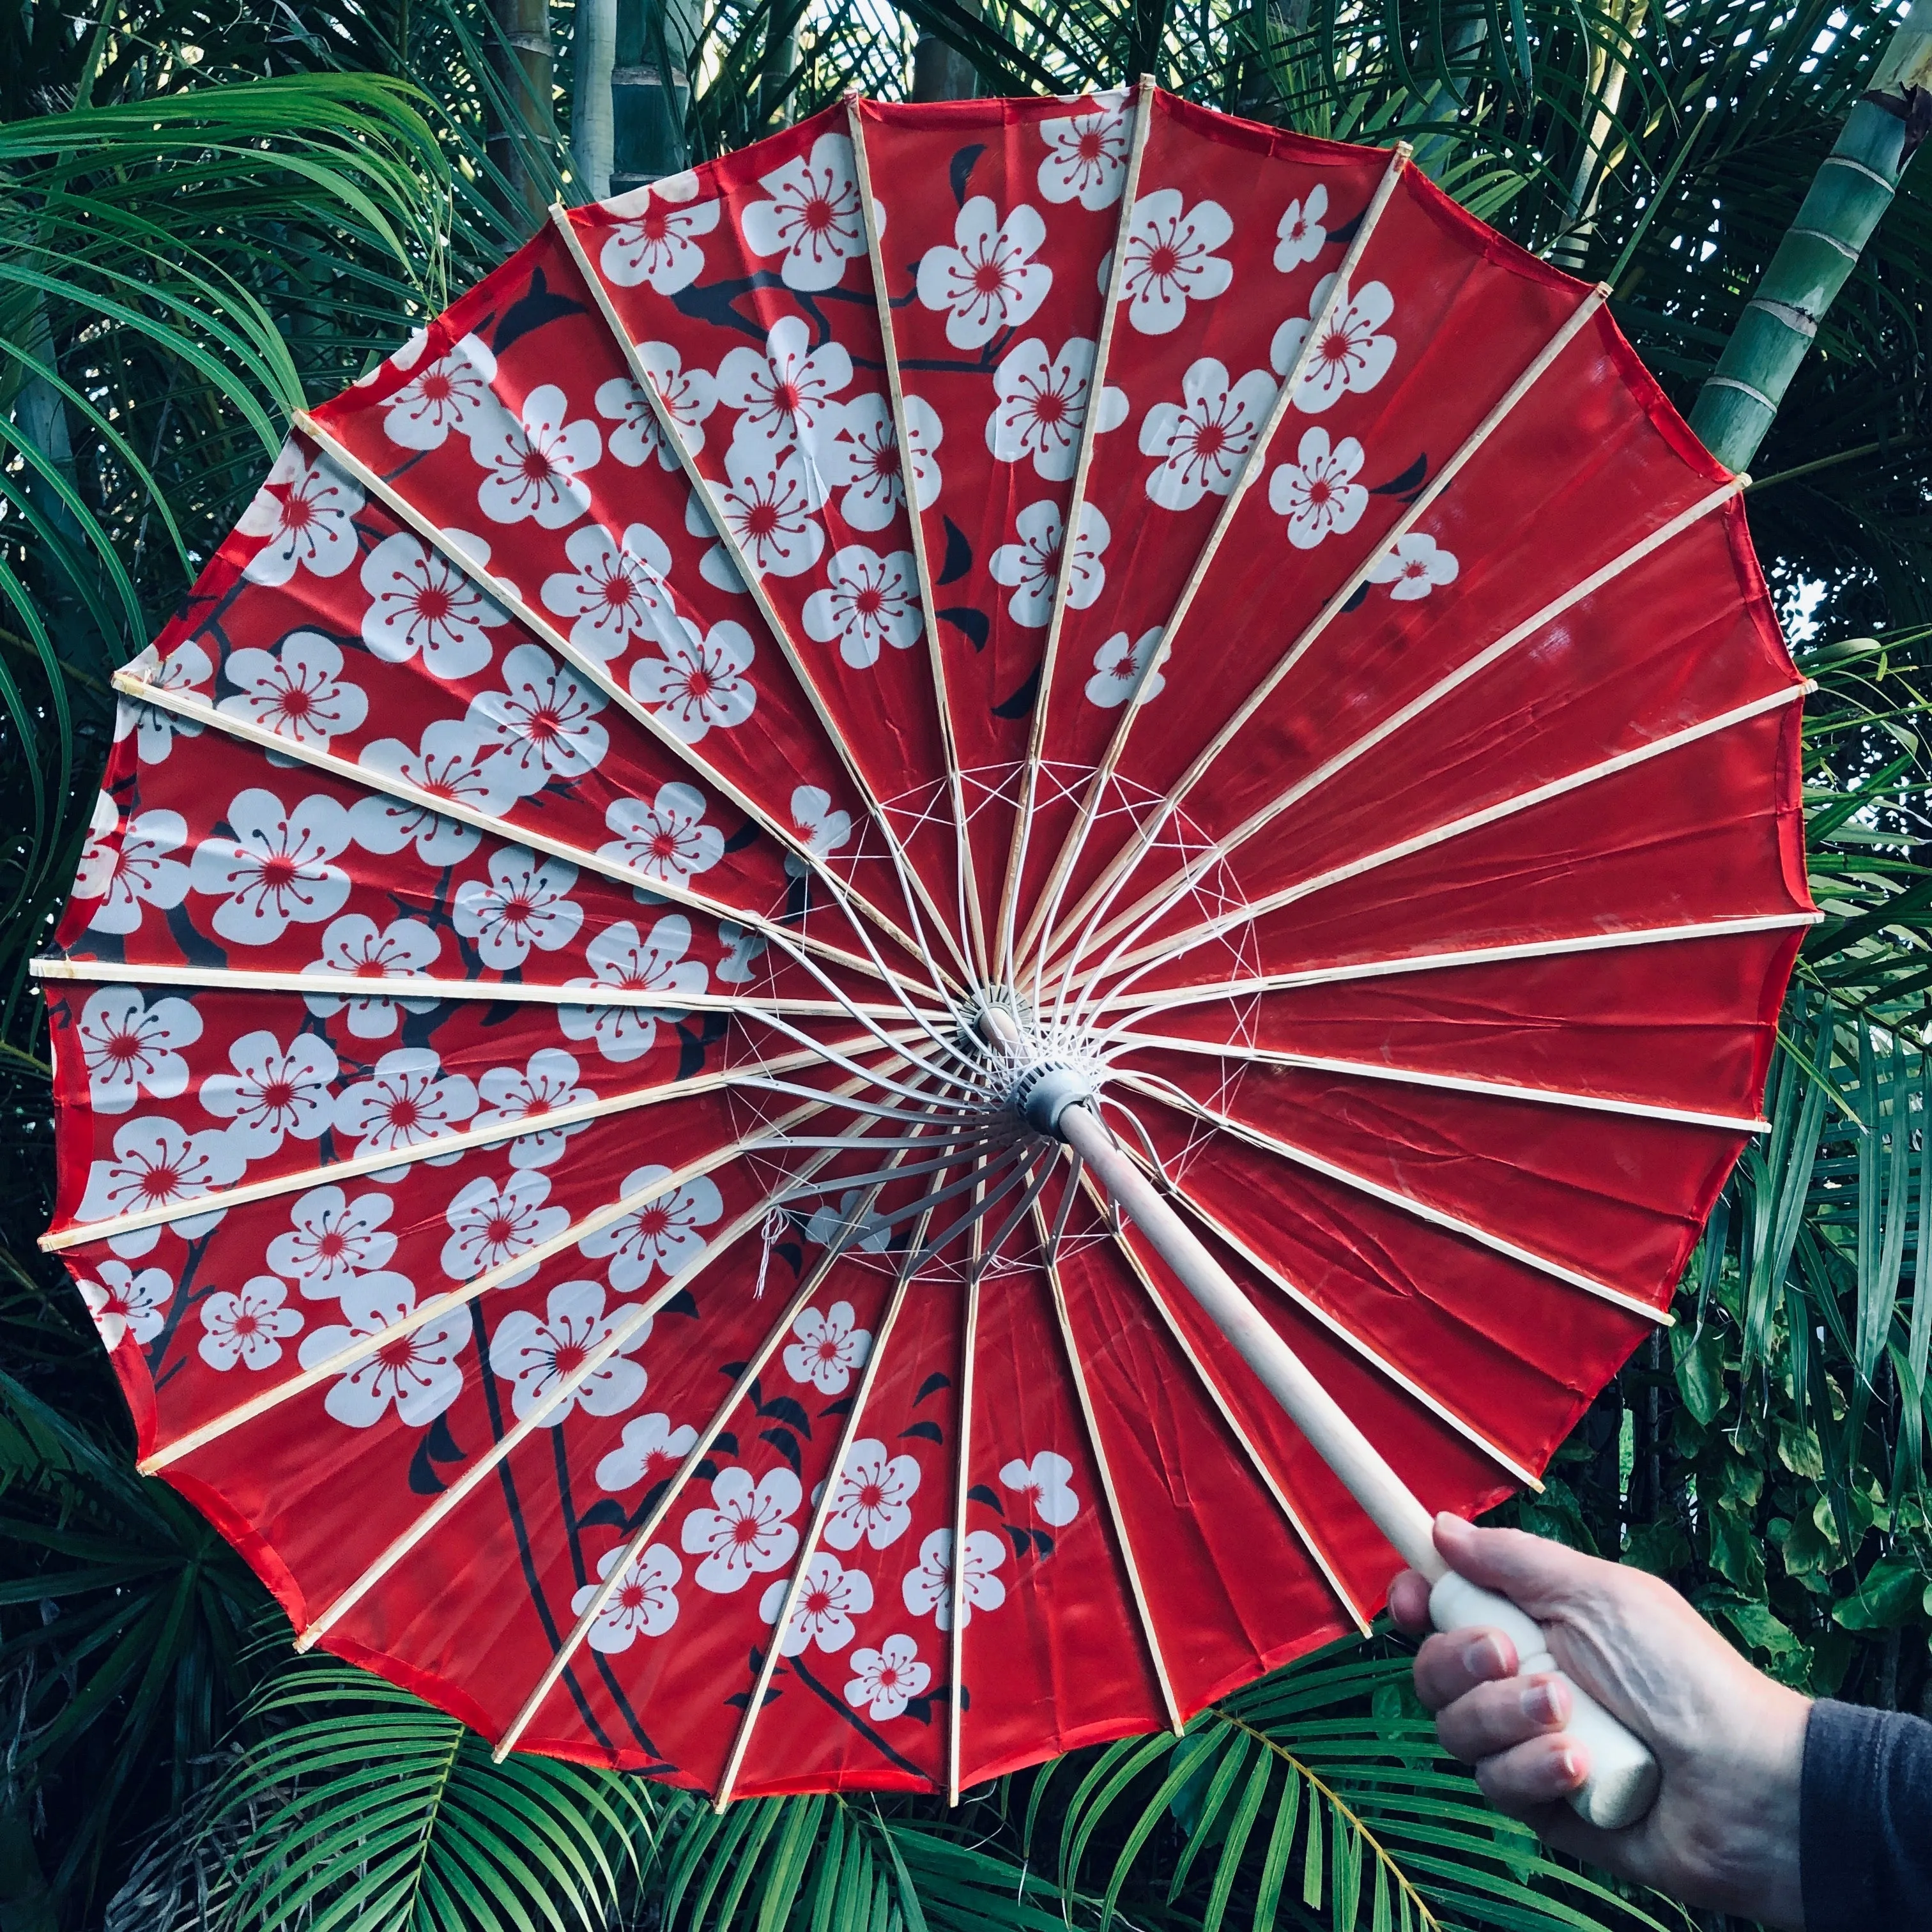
[(1042, 1082)]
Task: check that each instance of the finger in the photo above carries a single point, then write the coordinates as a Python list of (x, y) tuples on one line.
[(1539, 1576), (1409, 1601), (1523, 1782), (1451, 1665), (1496, 1717)]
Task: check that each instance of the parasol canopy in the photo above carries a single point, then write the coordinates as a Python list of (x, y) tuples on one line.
[(947, 614)]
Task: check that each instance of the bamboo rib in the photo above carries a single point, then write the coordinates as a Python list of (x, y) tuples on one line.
[(956, 1703)]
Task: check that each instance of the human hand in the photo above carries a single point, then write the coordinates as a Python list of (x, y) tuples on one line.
[(1729, 1743)]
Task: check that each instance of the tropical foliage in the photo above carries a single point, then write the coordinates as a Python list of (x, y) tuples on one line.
[(207, 216)]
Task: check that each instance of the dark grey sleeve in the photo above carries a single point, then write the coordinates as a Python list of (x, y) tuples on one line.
[(1864, 1825)]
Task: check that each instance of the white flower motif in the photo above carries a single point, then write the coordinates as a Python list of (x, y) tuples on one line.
[(249, 1327), (828, 1349), (544, 722), (533, 462), (871, 1500), (1087, 153), (420, 1372), (447, 396), (274, 871), (406, 1099), (644, 1602), (156, 1163), (768, 502), (863, 458), (667, 839), (307, 511), (647, 1454), (547, 1084), (1299, 236), (988, 280), (296, 690), (785, 397), (273, 1091), (1042, 404), (353, 945), (1415, 567), (454, 763), (618, 956), (827, 1221), (1047, 1483), (135, 870), (127, 1043), (747, 1531), (1348, 355), (616, 592), (813, 219), (688, 396), (655, 241), (1030, 566), (700, 681), (423, 602), (1171, 260), (742, 949), (715, 567), (186, 667), (928, 1589), (1202, 442), (869, 601), (820, 830), (538, 1357), (1317, 493), (885, 1680), (662, 1235), (1118, 666), (491, 1225), (831, 1596), (123, 1302), (332, 1239)]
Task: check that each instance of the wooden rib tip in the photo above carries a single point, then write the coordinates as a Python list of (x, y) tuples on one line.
[(1742, 481), (1405, 150), (498, 1753), (305, 1641)]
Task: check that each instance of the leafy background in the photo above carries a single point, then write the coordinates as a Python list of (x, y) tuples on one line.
[(211, 210)]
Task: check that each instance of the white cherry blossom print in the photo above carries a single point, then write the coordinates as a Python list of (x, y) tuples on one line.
[(869, 601), (123, 1302), (296, 690), (870, 1501), (928, 1591), (127, 1043), (885, 1680), (1318, 493), (1042, 403), (1171, 260), (307, 511), (1031, 566), (988, 279), (248, 1328), (491, 1225), (617, 590), (829, 1347), (863, 458), (274, 870), (418, 1374), (827, 1223), (273, 1091), (813, 220), (543, 723), (544, 1360), (656, 243), (1119, 666), (443, 399), (688, 396), (1203, 441), (1299, 236), (354, 946), (768, 504), (406, 1099), (1046, 1483), (135, 871), (700, 682), (533, 462), (647, 1454), (619, 956), (454, 763), (742, 949), (667, 840), (332, 1240), (747, 1531), (1087, 153), (186, 667), (1415, 565), (716, 566), (157, 1163), (830, 1596), (422, 603), (819, 829), (785, 397), (526, 1100), (661, 1236), (1348, 355), (643, 1602)]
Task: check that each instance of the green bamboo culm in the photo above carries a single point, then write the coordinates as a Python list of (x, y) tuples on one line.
[(1852, 189)]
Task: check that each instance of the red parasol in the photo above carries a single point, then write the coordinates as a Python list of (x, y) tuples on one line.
[(624, 971)]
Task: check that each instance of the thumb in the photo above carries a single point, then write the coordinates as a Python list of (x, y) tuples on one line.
[(1540, 1577)]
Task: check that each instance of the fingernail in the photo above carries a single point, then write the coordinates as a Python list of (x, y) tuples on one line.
[(1569, 1769), (1482, 1656), (1544, 1702)]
